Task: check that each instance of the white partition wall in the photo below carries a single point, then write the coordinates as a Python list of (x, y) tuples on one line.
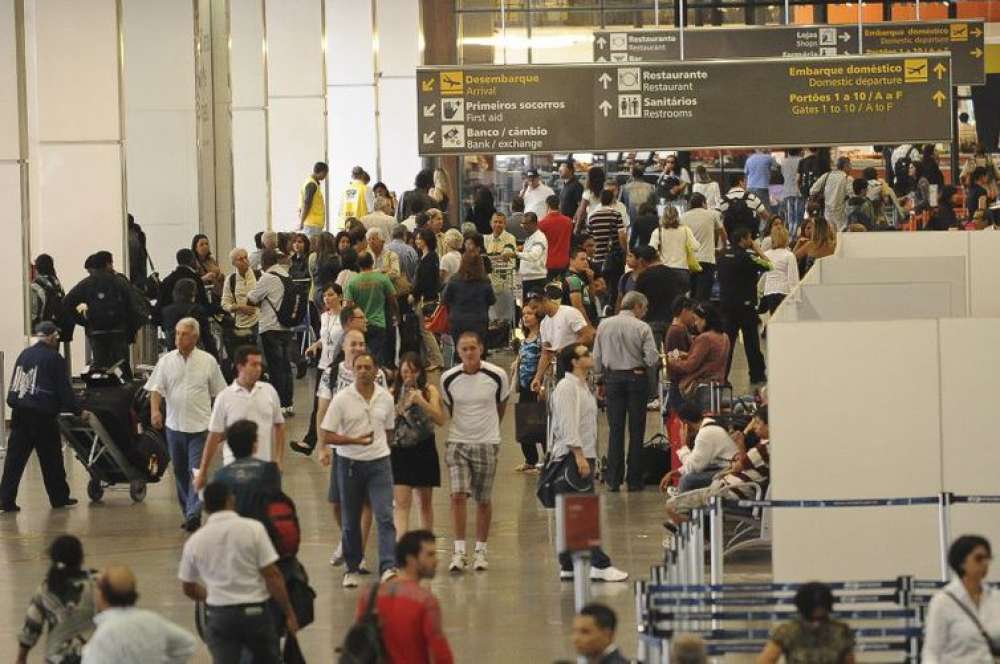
[(160, 125), (248, 84), (400, 52), (296, 101), (77, 191)]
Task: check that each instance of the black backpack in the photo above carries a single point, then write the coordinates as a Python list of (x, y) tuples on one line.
[(292, 308), (107, 305), (738, 213), (363, 643), (858, 208), (52, 310)]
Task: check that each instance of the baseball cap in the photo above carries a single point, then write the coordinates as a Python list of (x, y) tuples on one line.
[(554, 290), (531, 173), (46, 329)]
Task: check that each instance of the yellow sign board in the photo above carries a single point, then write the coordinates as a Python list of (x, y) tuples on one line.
[(915, 70), (451, 82)]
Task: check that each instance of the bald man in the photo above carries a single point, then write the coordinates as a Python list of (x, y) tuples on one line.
[(129, 635)]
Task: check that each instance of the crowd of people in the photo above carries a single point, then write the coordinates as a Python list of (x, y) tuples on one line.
[(625, 297)]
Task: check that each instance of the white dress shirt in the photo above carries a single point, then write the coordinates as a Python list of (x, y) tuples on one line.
[(950, 635), (534, 256), (574, 418), (713, 448), (350, 414), (259, 404), (267, 293), (128, 635), (226, 556), (188, 385)]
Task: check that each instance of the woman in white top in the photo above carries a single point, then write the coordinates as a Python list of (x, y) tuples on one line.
[(963, 618), (591, 199), (707, 187), (784, 273), (325, 347), (673, 242), (451, 255)]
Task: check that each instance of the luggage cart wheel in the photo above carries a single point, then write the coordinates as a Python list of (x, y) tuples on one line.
[(95, 491), (137, 490)]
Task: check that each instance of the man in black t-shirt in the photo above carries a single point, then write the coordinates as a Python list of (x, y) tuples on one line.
[(740, 268), (659, 284)]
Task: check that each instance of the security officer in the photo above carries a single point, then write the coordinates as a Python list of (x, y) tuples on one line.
[(39, 391), (312, 207)]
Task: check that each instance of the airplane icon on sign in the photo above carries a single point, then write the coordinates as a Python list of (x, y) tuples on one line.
[(918, 70)]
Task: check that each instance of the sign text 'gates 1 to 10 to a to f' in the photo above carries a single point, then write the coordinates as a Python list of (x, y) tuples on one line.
[(964, 39), (706, 104)]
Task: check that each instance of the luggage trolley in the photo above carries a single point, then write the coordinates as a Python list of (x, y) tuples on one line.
[(105, 456)]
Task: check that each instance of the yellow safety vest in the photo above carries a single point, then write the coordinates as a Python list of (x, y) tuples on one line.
[(316, 217), (355, 200)]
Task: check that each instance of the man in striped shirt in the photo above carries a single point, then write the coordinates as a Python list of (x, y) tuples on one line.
[(751, 465), (605, 225)]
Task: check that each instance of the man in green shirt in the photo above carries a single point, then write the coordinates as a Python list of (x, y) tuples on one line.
[(374, 293), (578, 284)]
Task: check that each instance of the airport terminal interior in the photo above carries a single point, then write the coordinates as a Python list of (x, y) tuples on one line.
[(624, 242)]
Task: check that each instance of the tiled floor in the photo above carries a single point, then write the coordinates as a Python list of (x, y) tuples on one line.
[(517, 611)]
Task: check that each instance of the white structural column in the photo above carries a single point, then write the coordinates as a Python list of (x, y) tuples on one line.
[(75, 133), (373, 48), (161, 150), (13, 174), (296, 102), (248, 83)]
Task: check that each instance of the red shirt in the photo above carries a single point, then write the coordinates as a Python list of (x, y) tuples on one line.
[(558, 229), (410, 617)]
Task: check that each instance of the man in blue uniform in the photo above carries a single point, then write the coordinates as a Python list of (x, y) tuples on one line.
[(39, 391)]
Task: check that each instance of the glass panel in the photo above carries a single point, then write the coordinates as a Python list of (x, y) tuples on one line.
[(477, 38), (561, 37)]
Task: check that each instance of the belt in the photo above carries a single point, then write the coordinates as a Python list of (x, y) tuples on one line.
[(235, 607), (635, 370)]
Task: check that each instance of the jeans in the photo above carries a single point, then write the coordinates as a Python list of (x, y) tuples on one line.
[(598, 559), (372, 480), (230, 629), (697, 480), (185, 454), (279, 368), (375, 340), (744, 319), (108, 348), (34, 430), (794, 208), (627, 393), (702, 282)]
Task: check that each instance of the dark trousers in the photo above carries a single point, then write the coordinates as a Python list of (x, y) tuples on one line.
[(34, 430), (231, 629), (530, 449), (702, 282), (233, 342), (744, 319), (598, 559), (770, 303), (627, 394), (279, 368), (312, 434), (108, 348), (375, 340)]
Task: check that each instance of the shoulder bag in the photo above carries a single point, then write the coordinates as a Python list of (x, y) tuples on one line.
[(530, 421), (694, 265), (412, 426)]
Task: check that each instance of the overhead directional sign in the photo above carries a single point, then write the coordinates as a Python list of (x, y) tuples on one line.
[(847, 100), (963, 39)]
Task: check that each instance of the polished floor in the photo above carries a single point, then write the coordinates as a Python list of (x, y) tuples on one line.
[(516, 611)]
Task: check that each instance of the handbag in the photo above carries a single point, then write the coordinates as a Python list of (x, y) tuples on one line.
[(438, 321), (530, 422), (561, 476), (694, 265), (994, 650), (412, 426)]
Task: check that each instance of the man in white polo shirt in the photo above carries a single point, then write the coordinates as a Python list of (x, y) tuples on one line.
[(563, 325), (188, 379), (248, 398), (359, 422), (476, 395)]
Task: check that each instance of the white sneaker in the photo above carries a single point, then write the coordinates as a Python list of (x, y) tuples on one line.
[(668, 540), (337, 559), (363, 568), (389, 574), (653, 405), (479, 562), (350, 580), (565, 575), (458, 563), (609, 574)]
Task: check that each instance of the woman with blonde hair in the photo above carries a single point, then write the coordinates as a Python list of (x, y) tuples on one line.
[(441, 191), (674, 242), (820, 243), (784, 273)]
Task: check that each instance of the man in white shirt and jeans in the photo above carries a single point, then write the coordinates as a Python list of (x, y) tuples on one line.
[(126, 634), (359, 422), (188, 379), (248, 398), (229, 564), (475, 393), (561, 326)]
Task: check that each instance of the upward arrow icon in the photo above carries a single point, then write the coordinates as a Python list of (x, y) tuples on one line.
[(604, 106), (939, 98), (604, 79), (602, 42), (940, 69)]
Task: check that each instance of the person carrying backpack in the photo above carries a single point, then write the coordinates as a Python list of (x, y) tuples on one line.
[(860, 211), (46, 292), (740, 207), (282, 307)]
